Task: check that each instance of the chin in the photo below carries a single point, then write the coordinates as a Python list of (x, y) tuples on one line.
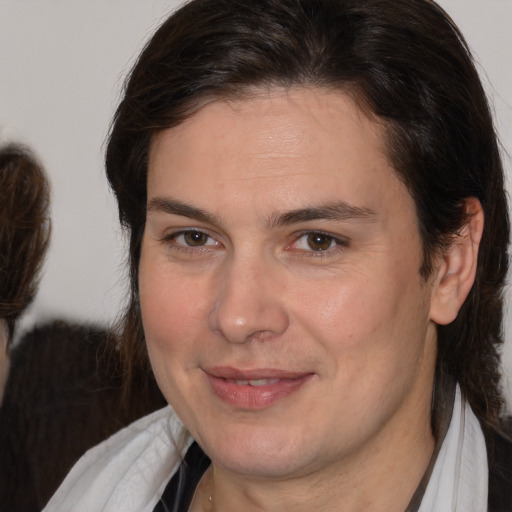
[(262, 454)]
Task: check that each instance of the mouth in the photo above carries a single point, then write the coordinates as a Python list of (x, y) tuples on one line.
[(254, 389), (254, 382)]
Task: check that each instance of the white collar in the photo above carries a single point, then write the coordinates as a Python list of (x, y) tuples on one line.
[(130, 470), (460, 476)]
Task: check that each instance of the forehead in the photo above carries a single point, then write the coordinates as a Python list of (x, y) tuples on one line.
[(298, 112), (290, 146)]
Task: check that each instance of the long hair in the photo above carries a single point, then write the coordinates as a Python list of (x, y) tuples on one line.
[(405, 63)]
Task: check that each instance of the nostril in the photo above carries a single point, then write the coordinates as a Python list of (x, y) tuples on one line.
[(256, 320), (248, 305)]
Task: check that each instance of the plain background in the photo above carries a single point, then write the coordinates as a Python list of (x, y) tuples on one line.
[(62, 65)]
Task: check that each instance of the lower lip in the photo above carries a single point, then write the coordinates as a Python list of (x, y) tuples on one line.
[(245, 396)]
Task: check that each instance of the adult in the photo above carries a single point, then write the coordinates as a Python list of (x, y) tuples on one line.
[(318, 245)]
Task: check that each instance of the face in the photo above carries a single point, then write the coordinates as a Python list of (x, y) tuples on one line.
[(285, 317)]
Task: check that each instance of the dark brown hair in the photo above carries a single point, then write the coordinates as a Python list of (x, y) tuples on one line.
[(24, 230), (406, 63)]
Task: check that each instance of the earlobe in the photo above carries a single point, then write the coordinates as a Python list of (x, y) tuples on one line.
[(457, 267)]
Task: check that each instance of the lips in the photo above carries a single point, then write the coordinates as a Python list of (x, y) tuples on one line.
[(254, 389)]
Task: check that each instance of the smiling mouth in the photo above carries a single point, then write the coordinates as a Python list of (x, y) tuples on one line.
[(257, 389)]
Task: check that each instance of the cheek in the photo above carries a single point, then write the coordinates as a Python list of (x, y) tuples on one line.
[(169, 299), (169, 307), (374, 338), (339, 308), (172, 328), (365, 315)]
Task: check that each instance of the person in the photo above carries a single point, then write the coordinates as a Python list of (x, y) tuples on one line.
[(318, 229), (62, 387), (24, 237)]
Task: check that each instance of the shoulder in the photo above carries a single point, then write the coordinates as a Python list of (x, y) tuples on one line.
[(128, 471)]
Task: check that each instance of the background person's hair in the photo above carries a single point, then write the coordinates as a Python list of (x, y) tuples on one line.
[(24, 230), (407, 66)]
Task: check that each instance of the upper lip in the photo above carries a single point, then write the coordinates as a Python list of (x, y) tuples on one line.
[(229, 372)]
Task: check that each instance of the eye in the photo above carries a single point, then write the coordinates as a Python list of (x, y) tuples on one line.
[(317, 242), (192, 238)]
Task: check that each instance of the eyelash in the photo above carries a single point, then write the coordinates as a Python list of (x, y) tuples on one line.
[(183, 247), (336, 244), (339, 244)]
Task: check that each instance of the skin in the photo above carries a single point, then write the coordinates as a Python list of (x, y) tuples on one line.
[(279, 239)]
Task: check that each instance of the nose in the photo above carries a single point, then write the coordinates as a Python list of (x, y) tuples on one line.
[(248, 303)]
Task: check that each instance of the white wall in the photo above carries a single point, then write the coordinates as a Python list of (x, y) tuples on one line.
[(62, 63)]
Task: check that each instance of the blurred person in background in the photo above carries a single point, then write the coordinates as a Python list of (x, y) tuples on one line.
[(62, 387), (24, 238)]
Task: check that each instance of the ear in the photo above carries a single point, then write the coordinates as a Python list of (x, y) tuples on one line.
[(456, 269)]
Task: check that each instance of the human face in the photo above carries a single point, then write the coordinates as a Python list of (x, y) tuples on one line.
[(285, 316)]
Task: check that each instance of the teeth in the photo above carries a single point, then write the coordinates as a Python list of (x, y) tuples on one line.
[(263, 382), (256, 382)]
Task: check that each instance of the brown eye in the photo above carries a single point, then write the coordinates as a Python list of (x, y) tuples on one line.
[(319, 241), (195, 238)]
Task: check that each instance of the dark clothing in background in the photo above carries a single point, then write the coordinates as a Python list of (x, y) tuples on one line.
[(63, 395)]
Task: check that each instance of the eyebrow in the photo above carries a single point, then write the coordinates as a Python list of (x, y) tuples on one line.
[(174, 207), (337, 211)]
